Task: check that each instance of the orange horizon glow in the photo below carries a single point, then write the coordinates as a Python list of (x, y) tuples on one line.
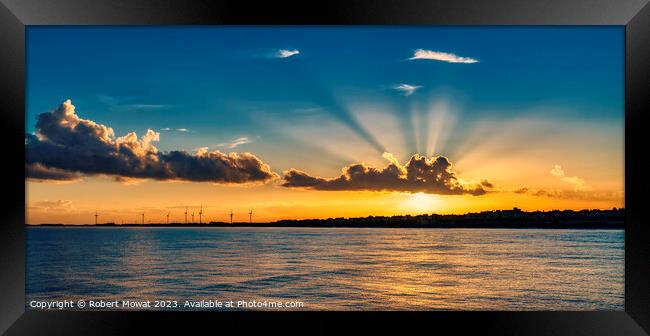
[(117, 203)]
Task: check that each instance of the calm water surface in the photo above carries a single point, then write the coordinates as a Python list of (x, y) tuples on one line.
[(333, 268)]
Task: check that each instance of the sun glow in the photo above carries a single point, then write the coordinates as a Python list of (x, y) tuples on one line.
[(421, 203)]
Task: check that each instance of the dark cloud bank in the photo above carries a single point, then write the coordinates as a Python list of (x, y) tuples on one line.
[(420, 174), (65, 147)]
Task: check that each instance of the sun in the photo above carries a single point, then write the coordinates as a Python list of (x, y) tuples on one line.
[(420, 202)]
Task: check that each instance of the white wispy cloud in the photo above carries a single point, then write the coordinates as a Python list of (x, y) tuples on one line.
[(441, 56), (239, 141), (125, 104), (406, 89), (235, 142), (167, 129), (284, 53)]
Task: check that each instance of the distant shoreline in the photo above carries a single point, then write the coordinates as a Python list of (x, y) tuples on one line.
[(392, 225), (497, 219), (265, 225)]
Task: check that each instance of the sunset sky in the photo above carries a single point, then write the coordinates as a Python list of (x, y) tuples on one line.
[(317, 122)]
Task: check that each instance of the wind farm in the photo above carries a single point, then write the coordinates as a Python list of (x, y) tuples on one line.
[(169, 219)]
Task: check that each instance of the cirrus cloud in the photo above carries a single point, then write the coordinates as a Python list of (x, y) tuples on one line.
[(407, 89), (285, 53), (64, 143), (422, 54), (239, 141), (420, 174)]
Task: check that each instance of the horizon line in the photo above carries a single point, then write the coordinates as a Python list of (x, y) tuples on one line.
[(514, 209)]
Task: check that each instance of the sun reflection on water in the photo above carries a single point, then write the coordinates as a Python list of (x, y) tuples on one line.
[(457, 269)]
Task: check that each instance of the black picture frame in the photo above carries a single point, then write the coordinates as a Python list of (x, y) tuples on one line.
[(633, 14)]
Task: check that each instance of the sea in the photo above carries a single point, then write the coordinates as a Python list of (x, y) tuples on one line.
[(327, 268)]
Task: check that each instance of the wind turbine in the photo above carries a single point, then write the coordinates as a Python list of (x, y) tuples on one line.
[(96, 217), (168, 218), (185, 215), (250, 216), (200, 213), (192, 216), (142, 218), (231, 214)]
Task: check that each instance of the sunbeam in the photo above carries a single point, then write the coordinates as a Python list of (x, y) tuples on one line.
[(403, 109), (438, 127), (333, 106), (298, 144)]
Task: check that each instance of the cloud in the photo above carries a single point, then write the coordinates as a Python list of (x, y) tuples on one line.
[(117, 104), (148, 106), (406, 89), (52, 205), (239, 141), (576, 182), (284, 53), (128, 181), (40, 173), (557, 171), (487, 184), (542, 193), (420, 174), (167, 129), (572, 194), (441, 56), (521, 190), (234, 143), (66, 142)]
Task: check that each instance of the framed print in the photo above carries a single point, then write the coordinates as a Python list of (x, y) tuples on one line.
[(369, 161)]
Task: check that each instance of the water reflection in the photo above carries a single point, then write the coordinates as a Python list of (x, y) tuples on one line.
[(459, 269)]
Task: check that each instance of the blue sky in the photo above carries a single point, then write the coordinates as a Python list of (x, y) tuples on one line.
[(202, 70), (212, 81)]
